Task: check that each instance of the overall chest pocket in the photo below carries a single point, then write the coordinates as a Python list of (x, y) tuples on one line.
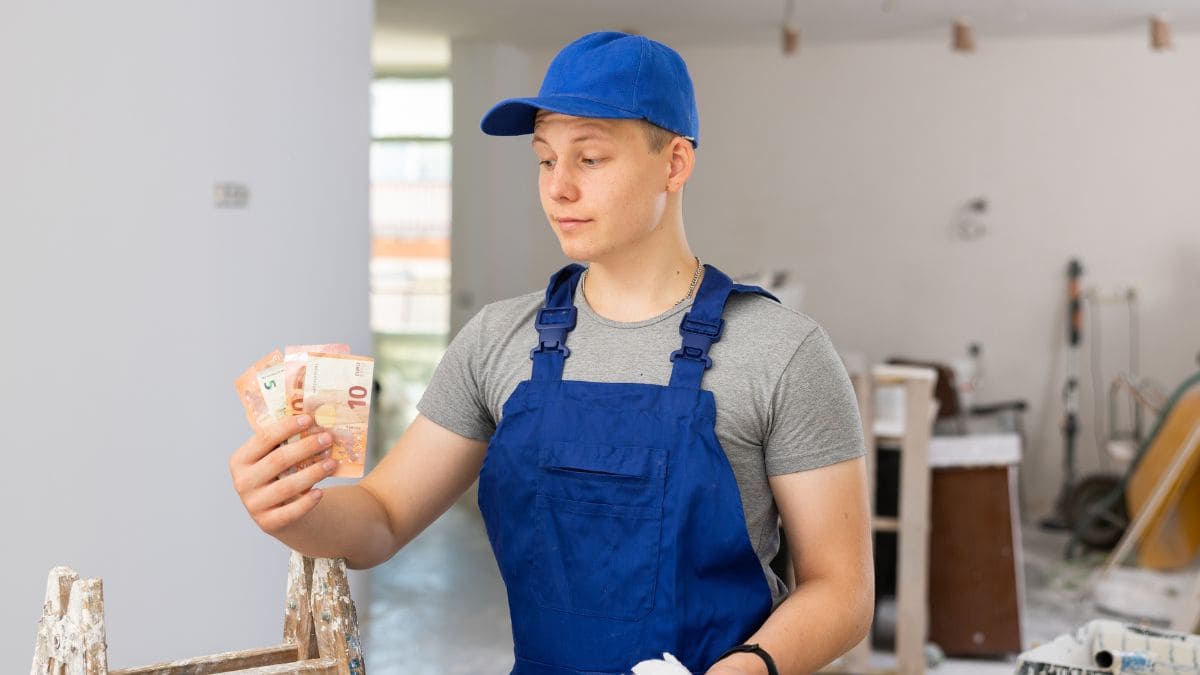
[(599, 525)]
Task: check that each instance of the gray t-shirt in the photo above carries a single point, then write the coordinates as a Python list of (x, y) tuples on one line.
[(784, 401)]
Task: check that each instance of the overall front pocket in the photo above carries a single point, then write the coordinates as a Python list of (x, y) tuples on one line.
[(598, 522)]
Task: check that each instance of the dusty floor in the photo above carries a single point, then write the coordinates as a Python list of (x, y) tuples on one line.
[(438, 607)]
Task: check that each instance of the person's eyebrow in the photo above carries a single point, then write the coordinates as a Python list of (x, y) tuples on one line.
[(603, 135)]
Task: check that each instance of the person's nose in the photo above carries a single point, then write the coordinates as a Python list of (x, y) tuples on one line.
[(561, 184)]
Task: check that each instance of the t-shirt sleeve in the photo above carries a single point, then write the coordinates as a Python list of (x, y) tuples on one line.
[(814, 412), (454, 398)]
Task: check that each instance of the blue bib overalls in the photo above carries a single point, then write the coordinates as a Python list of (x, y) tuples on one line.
[(613, 511)]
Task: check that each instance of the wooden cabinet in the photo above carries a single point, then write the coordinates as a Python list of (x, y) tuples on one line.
[(974, 561)]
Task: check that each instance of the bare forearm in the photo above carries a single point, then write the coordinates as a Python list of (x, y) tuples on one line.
[(818, 622), (347, 523), (825, 515), (367, 522)]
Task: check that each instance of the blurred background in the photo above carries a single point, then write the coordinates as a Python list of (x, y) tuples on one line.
[(186, 186)]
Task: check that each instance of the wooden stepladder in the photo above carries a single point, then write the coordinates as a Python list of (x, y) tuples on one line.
[(911, 438), (320, 630)]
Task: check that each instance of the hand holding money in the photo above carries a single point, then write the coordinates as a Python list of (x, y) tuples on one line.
[(309, 407), (323, 381), (273, 500)]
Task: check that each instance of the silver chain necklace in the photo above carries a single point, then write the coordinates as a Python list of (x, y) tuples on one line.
[(691, 288)]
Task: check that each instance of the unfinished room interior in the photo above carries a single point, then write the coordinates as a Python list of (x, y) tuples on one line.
[(634, 337)]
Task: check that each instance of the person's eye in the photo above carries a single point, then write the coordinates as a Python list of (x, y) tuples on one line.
[(546, 163), (591, 161)]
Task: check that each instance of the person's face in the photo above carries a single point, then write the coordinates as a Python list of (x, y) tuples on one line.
[(602, 188)]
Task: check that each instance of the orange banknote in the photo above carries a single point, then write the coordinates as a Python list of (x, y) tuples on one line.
[(261, 390), (337, 393), (295, 357)]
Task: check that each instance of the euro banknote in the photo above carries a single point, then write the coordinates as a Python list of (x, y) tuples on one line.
[(295, 357), (263, 401), (337, 393)]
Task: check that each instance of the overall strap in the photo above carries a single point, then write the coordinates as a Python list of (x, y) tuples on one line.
[(702, 326), (554, 321)]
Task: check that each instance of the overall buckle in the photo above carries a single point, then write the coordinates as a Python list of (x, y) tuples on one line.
[(698, 336), (692, 354), (712, 331), (553, 324), (556, 318), (550, 346)]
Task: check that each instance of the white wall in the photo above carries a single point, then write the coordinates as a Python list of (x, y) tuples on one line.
[(131, 303), (494, 210), (848, 163)]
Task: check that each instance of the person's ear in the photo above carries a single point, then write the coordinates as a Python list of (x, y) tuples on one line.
[(682, 158)]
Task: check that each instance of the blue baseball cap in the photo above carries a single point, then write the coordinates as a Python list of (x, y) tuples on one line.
[(609, 75)]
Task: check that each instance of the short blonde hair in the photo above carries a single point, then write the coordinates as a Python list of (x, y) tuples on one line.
[(656, 136)]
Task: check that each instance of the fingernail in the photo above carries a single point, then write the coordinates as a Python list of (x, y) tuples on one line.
[(329, 465), (303, 421), (315, 493), (324, 439)]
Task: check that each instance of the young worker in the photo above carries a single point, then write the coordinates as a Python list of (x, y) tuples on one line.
[(635, 465)]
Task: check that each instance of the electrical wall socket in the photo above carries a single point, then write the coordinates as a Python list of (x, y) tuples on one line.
[(231, 195)]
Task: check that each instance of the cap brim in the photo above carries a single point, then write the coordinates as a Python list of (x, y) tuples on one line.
[(515, 116)]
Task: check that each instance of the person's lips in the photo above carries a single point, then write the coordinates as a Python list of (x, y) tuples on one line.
[(567, 224)]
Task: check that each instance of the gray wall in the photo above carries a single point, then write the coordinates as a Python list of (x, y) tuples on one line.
[(496, 237), (131, 303), (848, 163)]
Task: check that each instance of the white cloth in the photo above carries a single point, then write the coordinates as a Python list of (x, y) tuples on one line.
[(668, 665)]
